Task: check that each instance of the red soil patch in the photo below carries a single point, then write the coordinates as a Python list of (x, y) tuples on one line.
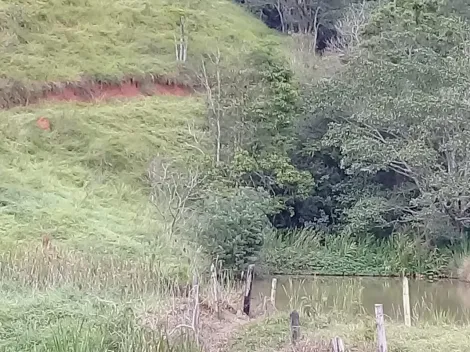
[(100, 92), (43, 123)]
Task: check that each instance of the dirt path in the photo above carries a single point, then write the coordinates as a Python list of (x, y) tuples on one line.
[(215, 332)]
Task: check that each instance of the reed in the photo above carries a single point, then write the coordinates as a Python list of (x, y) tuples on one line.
[(312, 252)]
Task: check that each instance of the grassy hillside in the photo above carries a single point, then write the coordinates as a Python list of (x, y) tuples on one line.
[(60, 40), (83, 182)]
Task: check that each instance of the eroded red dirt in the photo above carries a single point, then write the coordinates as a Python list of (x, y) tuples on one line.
[(100, 92)]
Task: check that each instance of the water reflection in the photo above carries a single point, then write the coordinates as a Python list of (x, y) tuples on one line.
[(443, 300)]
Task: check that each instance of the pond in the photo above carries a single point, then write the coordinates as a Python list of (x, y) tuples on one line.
[(447, 300)]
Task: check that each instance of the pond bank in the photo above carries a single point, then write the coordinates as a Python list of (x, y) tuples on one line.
[(358, 334), (447, 299)]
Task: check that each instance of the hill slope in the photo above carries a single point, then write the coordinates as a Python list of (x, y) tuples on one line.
[(82, 182), (57, 41)]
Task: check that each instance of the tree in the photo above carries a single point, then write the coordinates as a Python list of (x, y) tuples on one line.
[(232, 227), (173, 191), (401, 106), (253, 112), (297, 16)]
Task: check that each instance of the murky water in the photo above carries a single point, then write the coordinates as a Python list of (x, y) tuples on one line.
[(439, 300)]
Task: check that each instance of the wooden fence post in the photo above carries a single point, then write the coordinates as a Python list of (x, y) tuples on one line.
[(215, 288), (337, 344), (294, 326), (248, 287), (406, 301), (381, 337), (195, 317), (273, 292)]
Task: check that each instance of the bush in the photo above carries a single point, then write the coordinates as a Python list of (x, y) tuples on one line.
[(233, 226)]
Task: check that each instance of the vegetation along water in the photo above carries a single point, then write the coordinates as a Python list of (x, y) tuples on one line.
[(142, 141)]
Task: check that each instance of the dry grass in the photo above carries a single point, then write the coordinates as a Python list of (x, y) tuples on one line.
[(42, 267), (464, 270), (308, 66)]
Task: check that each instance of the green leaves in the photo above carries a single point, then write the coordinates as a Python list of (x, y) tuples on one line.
[(402, 106), (404, 28), (232, 227)]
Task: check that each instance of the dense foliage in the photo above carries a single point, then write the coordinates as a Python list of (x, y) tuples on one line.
[(375, 153), (232, 227)]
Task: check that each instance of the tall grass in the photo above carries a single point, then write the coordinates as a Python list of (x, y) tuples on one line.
[(113, 329), (43, 268), (312, 297), (357, 332), (82, 186), (53, 299), (124, 336), (310, 252), (325, 315)]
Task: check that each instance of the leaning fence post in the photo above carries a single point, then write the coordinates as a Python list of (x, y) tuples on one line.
[(406, 301), (248, 287), (273, 292), (294, 326), (337, 344), (381, 338)]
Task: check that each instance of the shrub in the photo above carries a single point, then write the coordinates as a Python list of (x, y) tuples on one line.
[(232, 226)]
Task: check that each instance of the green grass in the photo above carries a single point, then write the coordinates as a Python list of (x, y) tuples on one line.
[(61, 40), (84, 183), (73, 321), (358, 333)]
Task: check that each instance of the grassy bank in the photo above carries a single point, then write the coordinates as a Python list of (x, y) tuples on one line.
[(358, 334), (309, 253), (54, 299)]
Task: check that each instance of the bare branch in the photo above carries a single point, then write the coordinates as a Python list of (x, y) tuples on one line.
[(172, 190)]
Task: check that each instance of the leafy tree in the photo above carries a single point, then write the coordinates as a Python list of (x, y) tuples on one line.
[(258, 131), (232, 227), (401, 107)]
